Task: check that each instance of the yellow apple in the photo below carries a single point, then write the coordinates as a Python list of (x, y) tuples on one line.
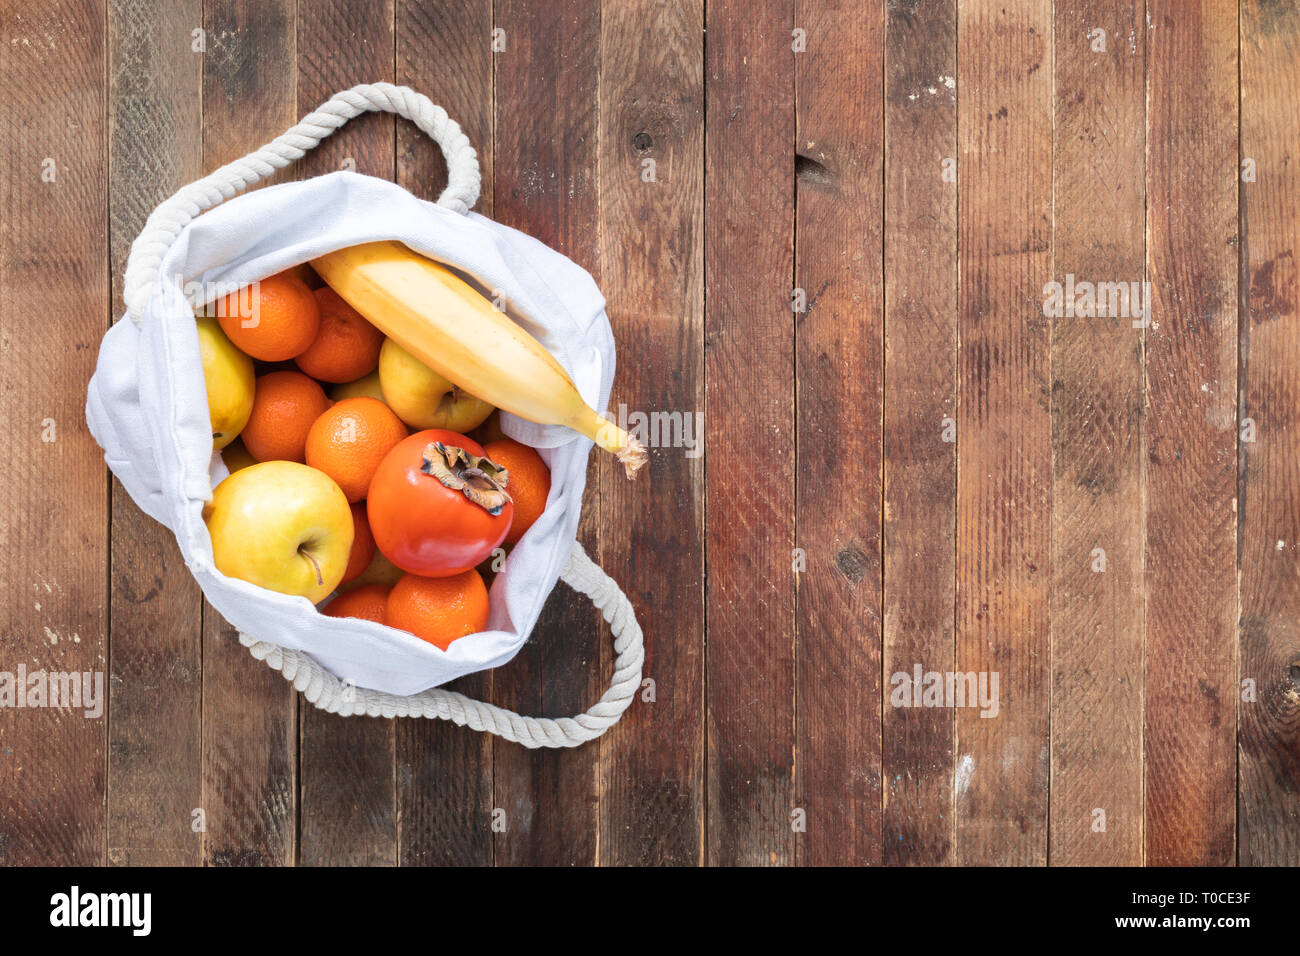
[(228, 375), (236, 456), (283, 526), (424, 399), (379, 571), (367, 387), (490, 430)]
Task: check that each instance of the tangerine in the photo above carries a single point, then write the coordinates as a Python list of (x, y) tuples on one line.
[(438, 610), (363, 544), (285, 405), (348, 442), (273, 319), (347, 346), (528, 482), (368, 603)]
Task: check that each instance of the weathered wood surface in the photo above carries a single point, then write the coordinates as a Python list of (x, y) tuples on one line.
[(749, 409), (920, 460), (1268, 801), (1191, 435), (155, 739), (838, 430), (827, 233), (651, 260), (1097, 408), (1004, 243), (54, 492)]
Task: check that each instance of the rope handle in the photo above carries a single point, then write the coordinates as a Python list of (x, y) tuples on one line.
[(335, 696), (172, 215)]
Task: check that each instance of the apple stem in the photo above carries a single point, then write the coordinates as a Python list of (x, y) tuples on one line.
[(315, 566)]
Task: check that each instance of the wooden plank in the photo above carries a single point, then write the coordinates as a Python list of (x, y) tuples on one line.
[(839, 374), (920, 482), (54, 539), (652, 109), (1003, 427), (444, 772), (348, 812), (155, 661), (1097, 382), (1191, 441), (1268, 803), (750, 419), (546, 81), (250, 740), (250, 725)]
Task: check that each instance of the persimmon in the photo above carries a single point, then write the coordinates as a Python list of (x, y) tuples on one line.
[(438, 505)]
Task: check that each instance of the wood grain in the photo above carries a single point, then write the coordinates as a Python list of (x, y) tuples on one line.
[(1003, 426), (839, 373), (920, 467), (652, 247), (1191, 440), (1099, 207), (444, 772), (1268, 803), (54, 537), (348, 813), (155, 661), (750, 417), (250, 722), (546, 163)]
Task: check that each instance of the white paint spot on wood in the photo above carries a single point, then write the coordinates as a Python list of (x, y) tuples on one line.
[(965, 768)]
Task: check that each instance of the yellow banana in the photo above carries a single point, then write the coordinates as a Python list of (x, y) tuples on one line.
[(445, 323)]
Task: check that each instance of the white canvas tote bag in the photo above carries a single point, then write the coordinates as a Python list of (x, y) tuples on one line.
[(147, 408)]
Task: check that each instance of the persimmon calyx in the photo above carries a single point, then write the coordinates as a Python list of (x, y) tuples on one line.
[(478, 478)]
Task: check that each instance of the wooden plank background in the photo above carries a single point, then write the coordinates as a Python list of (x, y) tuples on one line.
[(826, 229)]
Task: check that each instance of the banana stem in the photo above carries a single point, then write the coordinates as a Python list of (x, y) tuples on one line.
[(630, 452)]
